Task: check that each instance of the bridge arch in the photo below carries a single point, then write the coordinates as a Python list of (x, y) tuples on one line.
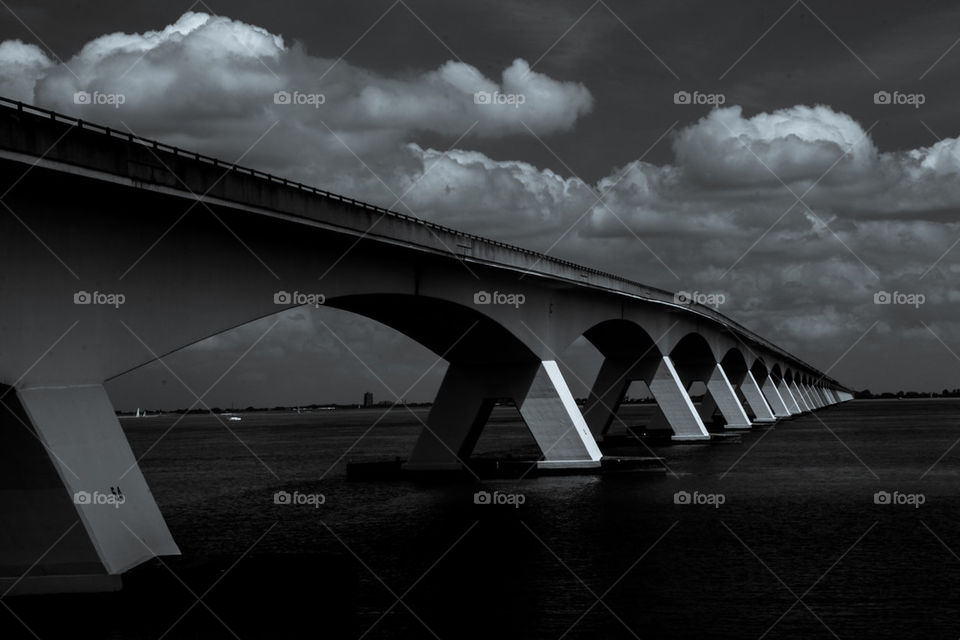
[(455, 332), (619, 338), (734, 362)]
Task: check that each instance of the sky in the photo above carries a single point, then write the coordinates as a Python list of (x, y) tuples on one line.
[(800, 158)]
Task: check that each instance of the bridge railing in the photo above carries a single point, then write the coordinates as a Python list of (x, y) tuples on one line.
[(263, 175)]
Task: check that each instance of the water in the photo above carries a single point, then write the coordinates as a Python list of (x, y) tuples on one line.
[(798, 549)]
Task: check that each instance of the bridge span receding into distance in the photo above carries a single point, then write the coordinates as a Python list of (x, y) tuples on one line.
[(119, 250)]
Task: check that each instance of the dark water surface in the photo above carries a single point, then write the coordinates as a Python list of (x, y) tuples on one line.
[(797, 549)]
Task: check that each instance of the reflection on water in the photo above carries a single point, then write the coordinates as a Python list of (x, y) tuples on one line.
[(798, 543)]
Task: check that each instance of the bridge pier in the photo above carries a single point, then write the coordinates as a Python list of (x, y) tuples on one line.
[(721, 395), (468, 394), (801, 400), (817, 399), (817, 396), (772, 395), (808, 397), (788, 399), (762, 411), (827, 400), (660, 375), (75, 509), (675, 403)]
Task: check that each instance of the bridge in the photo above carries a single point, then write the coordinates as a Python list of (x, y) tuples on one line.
[(89, 293)]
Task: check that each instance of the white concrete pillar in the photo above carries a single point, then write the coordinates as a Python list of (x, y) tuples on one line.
[(607, 393), (676, 410), (775, 399), (725, 398), (844, 396), (467, 396), (554, 419), (823, 396), (799, 397), (788, 398), (806, 396), (754, 397), (67, 469), (817, 398), (675, 403), (811, 399)]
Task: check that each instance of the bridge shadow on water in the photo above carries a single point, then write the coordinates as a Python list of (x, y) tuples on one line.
[(781, 537)]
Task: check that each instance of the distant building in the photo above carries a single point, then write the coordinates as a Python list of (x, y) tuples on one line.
[(368, 399)]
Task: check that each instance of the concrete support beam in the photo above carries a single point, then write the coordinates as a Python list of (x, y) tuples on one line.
[(468, 394), (754, 397), (817, 398), (772, 394), (607, 393), (843, 396), (812, 400), (675, 403), (68, 471), (823, 396), (725, 398), (788, 398), (676, 409), (800, 398), (805, 395)]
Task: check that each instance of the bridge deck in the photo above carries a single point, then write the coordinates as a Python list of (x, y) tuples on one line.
[(44, 137)]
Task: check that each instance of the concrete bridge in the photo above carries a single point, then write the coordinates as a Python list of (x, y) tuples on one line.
[(88, 293)]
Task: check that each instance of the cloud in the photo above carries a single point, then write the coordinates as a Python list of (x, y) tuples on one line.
[(723, 216), (212, 68), (20, 65), (788, 145)]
